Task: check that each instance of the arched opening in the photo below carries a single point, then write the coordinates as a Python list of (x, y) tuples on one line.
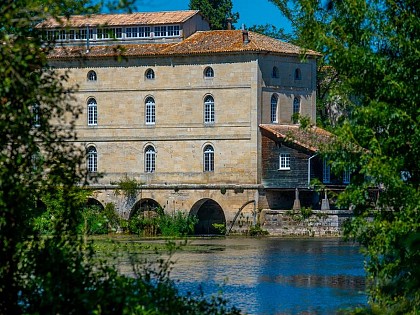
[(210, 215), (145, 207), (92, 202)]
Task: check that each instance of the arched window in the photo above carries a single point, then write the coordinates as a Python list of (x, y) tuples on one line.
[(209, 72), (274, 100), (150, 74), (92, 159), (298, 74), (208, 158), (296, 109), (275, 72), (92, 112), (209, 109), (149, 159), (91, 76), (150, 111)]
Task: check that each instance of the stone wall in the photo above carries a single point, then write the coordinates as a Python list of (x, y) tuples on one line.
[(293, 223)]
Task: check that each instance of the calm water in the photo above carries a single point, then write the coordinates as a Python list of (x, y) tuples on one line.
[(275, 276)]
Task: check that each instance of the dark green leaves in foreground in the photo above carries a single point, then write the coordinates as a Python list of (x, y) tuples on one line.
[(369, 79)]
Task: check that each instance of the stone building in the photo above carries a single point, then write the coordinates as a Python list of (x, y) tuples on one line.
[(191, 114)]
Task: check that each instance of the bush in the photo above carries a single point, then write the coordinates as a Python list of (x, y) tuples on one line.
[(256, 230), (179, 224), (176, 225)]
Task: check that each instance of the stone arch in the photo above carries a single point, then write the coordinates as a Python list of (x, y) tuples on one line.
[(94, 202), (208, 212), (145, 205)]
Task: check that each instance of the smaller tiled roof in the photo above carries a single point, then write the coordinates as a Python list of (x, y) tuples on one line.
[(310, 138), (140, 18), (199, 43)]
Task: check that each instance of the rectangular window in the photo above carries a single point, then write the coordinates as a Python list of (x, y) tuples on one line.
[(144, 31), (160, 31), (131, 32), (346, 176), (62, 35), (326, 172), (102, 33), (72, 34), (284, 161), (173, 30), (118, 32)]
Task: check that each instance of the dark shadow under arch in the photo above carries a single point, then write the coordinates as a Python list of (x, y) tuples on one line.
[(92, 202), (144, 205), (208, 213)]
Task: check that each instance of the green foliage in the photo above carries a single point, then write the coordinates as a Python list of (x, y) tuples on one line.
[(256, 230), (220, 227), (272, 31), (370, 49), (216, 12), (57, 273), (128, 187), (175, 225)]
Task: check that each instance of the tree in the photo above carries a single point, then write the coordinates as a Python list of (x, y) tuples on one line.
[(272, 31), (216, 12), (373, 47), (56, 274)]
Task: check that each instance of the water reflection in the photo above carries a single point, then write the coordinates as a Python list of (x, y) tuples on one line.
[(274, 275)]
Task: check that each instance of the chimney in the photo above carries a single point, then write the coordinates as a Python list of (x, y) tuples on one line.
[(229, 23), (245, 36)]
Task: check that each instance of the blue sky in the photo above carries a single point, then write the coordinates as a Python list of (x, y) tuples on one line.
[(250, 11)]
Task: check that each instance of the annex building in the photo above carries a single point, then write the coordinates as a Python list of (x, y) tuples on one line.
[(204, 120)]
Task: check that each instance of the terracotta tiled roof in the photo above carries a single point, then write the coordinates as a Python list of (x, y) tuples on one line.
[(311, 138), (144, 18), (203, 42)]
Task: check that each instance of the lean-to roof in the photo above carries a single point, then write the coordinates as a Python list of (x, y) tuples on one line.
[(311, 138)]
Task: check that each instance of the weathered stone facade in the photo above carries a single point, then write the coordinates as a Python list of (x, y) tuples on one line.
[(242, 87)]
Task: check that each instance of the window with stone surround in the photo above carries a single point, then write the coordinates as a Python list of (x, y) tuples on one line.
[(209, 72), (274, 101), (284, 161), (92, 159), (208, 158), (209, 110), (91, 76), (149, 159), (150, 111), (92, 114), (149, 74)]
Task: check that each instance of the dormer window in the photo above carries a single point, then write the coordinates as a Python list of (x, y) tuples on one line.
[(160, 31), (109, 33), (131, 32), (173, 30)]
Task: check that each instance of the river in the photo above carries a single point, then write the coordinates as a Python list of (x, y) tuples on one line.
[(267, 276)]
